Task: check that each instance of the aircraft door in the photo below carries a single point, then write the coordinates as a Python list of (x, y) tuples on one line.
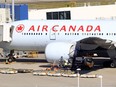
[(52, 35)]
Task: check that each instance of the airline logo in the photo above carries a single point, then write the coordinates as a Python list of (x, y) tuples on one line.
[(20, 28)]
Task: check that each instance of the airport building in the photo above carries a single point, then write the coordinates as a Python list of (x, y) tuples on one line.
[(74, 13), (21, 12), (86, 12)]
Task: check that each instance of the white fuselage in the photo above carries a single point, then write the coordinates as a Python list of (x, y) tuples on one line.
[(36, 35)]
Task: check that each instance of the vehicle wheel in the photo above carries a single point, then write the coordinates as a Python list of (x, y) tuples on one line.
[(113, 65)]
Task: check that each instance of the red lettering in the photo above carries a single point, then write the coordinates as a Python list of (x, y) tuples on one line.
[(38, 28), (32, 28), (45, 28), (81, 28), (54, 28), (97, 28), (73, 28), (89, 28), (63, 28)]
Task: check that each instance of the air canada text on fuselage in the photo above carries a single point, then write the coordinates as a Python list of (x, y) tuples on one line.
[(65, 28)]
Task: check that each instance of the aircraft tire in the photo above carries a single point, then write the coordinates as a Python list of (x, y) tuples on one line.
[(10, 60)]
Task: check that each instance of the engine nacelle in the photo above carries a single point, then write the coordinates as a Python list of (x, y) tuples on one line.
[(57, 50)]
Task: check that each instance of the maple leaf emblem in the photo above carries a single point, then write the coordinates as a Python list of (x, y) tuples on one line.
[(20, 28)]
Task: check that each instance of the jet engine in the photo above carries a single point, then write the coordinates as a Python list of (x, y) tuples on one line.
[(57, 50)]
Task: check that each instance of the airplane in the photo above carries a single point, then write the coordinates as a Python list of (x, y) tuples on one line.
[(61, 39)]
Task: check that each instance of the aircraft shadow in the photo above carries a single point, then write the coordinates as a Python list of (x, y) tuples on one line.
[(45, 66), (27, 60), (85, 71), (98, 65)]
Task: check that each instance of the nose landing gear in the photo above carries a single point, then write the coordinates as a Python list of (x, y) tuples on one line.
[(11, 57)]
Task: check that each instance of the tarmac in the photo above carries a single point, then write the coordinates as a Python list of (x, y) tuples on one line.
[(29, 80)]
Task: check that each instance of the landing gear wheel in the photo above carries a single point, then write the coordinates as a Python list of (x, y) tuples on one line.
[(11, 57), (10, 60)]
